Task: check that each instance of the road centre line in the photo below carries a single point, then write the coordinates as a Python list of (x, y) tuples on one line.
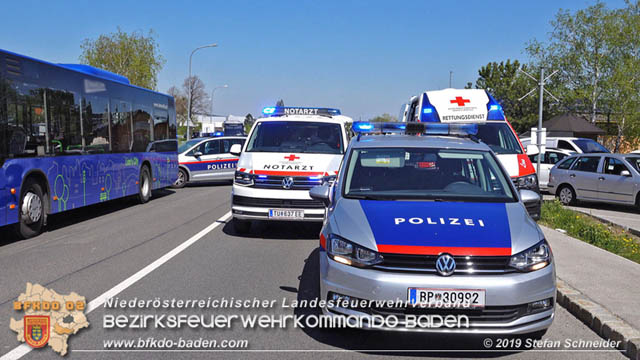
[(23, 349)]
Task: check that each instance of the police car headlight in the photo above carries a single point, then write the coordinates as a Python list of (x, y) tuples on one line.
[(348, 253), (243, 178), (534, 258), (529, 182)]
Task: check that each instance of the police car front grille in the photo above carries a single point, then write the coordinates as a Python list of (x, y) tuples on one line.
[(465, 265), (492, 314), (277, 203), (275, 182)]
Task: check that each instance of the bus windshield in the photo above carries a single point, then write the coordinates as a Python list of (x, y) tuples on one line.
[(296, 136)]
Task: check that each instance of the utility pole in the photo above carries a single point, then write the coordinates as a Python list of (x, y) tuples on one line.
[(542, 90), (190, 89), (450, 78)]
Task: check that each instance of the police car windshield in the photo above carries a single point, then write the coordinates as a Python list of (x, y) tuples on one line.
[(424, 173), (499, 137), (184, 147), (296, 137)]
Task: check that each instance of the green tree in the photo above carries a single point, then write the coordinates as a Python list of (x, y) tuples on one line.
[(133, 55), (507, 84), (248, 122), (280, 102), (580, 47), (384, 118), (622, 96)]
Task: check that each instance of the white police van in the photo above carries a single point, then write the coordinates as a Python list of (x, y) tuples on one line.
[(455, 106), (288, 151)]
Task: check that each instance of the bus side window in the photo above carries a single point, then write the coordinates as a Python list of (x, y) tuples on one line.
[(141, 128), (63, 113), (26, 120), (173, 126), (160, 124), (95, 122), (120, 126)]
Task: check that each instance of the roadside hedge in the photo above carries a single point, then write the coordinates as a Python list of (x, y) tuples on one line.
[(590, 230)]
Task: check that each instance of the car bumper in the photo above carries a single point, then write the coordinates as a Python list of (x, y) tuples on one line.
[(249, 203), (507, 296)]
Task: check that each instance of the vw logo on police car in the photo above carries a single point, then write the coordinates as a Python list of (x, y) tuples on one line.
[(445, 265), (287, 183)]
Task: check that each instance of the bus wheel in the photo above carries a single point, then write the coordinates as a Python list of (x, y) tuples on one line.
[(181, 181), (32, 210), (144, 192)]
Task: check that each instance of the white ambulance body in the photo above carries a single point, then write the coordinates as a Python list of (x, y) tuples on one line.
[(479, 107)]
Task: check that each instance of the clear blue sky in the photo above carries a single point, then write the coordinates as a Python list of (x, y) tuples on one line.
[(364, 57)]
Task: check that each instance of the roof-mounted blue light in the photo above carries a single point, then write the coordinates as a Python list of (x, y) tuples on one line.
[(218, 133), (268, 110), (415, 128), (429, 113), (362, 126), (494, 110), (442, 129)]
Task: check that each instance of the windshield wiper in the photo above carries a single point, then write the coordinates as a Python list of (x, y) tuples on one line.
[(369, 197)]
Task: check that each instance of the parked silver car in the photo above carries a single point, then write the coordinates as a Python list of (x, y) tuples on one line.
[(549, 159), (611, 178)]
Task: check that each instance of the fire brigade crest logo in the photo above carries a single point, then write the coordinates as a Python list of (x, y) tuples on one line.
[(48, 318), (36, 330)]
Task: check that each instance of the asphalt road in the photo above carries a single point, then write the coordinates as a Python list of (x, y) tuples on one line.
[(92, 250)]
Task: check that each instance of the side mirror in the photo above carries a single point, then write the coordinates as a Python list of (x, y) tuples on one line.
[(625, 173), (321, 193), (236, 149), (197, 154), (532, 149), (529, 197)]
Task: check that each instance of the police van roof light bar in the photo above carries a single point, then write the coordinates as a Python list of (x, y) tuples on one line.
[(414, 128), (293, 110)]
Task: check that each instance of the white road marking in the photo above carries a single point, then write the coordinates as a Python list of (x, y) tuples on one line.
[(23, 349)]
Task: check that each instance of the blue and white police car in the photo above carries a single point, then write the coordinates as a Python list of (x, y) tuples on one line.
[(207, 159), (432, 225), (288, 151)]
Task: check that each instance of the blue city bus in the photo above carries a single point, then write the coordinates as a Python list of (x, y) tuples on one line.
[(73, 135)]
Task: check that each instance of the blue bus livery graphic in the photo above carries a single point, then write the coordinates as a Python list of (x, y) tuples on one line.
[(84, 135)]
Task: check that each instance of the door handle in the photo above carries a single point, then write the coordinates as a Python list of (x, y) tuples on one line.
[(601, 178), (572, 175)]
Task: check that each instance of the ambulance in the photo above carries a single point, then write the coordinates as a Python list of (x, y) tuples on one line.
[(479, 107), (288, 151)]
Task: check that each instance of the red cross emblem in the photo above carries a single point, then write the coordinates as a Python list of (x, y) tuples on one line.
[(292, 157), (459, 100)]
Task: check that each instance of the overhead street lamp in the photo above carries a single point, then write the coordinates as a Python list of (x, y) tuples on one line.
[(190, 85), (213, 92)]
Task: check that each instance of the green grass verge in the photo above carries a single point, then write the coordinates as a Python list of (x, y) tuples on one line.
[(611, 238)]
